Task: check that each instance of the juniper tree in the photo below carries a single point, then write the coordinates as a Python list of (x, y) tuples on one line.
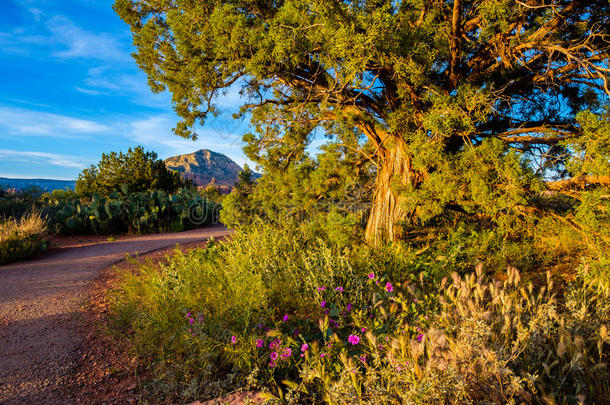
[(137, 170), (459, 104)]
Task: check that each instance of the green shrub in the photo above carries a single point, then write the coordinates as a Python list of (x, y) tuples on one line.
[(23, 238)]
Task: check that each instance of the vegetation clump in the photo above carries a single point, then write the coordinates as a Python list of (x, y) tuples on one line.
[(138, 170), (23, 238)]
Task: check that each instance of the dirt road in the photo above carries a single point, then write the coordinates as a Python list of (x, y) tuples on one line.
[(40, 336)]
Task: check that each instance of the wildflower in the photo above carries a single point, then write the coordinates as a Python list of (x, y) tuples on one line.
[(377, 282), (340, 289), (363, 330), (349, 307), (287, 353), (323, 304), (188, 315), (273, 356), (304, 347), (191, 320), (353, 339), (363, 358), (420, 337), (260, 343), (371, 276), (322, 355), (233, 339), (296, 332), (275, 344), (323, 288), (272, 364), (285, 318), (389, 287)]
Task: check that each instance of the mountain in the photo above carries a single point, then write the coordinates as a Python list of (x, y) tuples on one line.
[(44, 184), (204, 167)]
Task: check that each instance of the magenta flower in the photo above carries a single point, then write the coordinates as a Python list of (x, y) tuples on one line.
[(272, 364), (389, 287), (273, 356), (349, 307), (322, 355), (363, 358), (353, 339), (323, 288), (304, 347), (285, 318), (233, 339), (260, 343), (191, 320), (340, 289), (363, 329), (287, 353), (371, 275), (323, 304), (420, 337)]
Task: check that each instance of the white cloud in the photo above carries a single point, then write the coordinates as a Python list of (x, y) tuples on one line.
[(23, 122), (155, 132), (79, 43), (38, 158)]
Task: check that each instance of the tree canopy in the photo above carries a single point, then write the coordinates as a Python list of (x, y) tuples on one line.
[(137, 170), (458, 105)]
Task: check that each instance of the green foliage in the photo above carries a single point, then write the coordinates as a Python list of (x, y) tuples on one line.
[(144, 212), (23, 238), (136, 171), (220, 318)]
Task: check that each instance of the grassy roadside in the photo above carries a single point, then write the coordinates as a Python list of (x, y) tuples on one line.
[(284, 311)]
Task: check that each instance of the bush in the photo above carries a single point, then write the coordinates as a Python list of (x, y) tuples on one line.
[(21, 239)]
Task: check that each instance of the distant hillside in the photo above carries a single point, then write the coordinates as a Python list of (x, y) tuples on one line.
[(204, 167), (44, 184)]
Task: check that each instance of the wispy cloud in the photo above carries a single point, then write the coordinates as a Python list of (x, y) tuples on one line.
[(156, 133), (23, 122), (79, 43), (42, 158)]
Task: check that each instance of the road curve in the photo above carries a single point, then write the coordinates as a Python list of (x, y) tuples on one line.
[(40, 338)]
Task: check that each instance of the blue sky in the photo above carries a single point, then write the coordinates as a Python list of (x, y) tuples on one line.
[(70, 91)]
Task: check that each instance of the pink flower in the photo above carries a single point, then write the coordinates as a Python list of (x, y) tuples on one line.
[(363, 358), (285, 318), (272, 364), (287, 353), (233, 339), (304, 347), (349, 307), (371, 276), (273, 356), (363, 330), (260, 343), (420, 337), (323, 288), (191, 320), (323, 304), (353, 339), (322, 355), (389, 287), (340, 289)]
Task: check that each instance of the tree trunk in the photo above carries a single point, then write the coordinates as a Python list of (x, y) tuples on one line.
[(387, 212)]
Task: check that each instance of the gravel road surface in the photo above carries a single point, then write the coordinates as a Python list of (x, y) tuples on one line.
[(40, 300)]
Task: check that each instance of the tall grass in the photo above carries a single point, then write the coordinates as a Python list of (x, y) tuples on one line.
[(279, 309), (22, 238)]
